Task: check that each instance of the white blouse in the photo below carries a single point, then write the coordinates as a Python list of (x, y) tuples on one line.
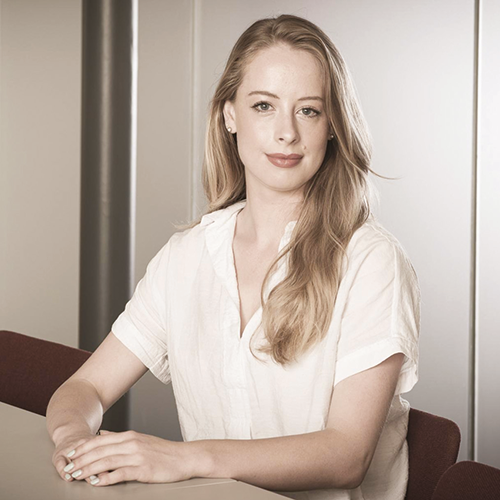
[(183, 323)]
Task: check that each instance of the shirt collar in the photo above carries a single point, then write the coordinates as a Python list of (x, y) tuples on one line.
[(224, 214), (222, 223)]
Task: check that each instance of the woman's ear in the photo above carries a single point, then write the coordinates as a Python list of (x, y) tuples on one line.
[(230, 117)]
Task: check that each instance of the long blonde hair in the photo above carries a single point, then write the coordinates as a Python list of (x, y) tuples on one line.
[(298, 311)]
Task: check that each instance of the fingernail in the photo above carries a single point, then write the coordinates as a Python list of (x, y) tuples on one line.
[(93, 481), (77, 473), (68, 477), (69, 467), (71, 453)]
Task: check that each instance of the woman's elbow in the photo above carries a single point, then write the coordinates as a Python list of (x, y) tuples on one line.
[(352, 474), (355, 481), (357, 473), (351, 480)]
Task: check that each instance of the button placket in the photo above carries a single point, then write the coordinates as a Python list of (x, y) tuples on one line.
[(219, 240)]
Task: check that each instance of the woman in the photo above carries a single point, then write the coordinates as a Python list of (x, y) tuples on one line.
[(287, 318)]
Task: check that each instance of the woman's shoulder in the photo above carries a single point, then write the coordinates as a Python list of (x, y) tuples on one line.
[(372, 242), (372, 234)]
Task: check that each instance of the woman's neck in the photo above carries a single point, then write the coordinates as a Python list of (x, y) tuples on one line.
[(262, 222)]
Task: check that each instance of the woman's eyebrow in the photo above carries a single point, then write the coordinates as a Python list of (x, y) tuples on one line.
[(269, 94)]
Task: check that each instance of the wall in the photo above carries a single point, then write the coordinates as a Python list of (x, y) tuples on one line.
[(39, 158), (413, 65), (487, 397)]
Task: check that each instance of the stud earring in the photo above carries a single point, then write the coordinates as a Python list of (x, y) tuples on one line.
[(229, 129), (331, 136)]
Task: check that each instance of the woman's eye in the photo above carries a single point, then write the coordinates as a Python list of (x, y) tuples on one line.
[(309, 112), (262, 106)]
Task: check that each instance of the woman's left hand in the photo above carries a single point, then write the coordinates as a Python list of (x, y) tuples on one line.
[(114, 457)]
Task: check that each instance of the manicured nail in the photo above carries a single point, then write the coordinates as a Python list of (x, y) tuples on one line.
[(77, 473), (69, 467), (71, 453), (68, 477), (94, 480)]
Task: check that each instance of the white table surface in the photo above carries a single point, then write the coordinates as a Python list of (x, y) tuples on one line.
[(26, 472)]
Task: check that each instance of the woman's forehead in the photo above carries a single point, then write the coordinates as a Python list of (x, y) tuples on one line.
[(283, 68)]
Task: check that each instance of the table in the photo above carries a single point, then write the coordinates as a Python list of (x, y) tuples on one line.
[(27, 473)]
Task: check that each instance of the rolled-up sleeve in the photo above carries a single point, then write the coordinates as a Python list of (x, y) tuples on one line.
[(381, 315), (141, 327)]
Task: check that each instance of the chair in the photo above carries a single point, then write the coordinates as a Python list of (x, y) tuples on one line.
[(469, 481), (433, 444), (32, 369)]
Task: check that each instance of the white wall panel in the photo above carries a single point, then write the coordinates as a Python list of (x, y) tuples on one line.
[(40, 167), (414, 69), (412, 63), (488, 270)]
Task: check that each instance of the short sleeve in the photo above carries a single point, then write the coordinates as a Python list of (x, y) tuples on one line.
[(141, 327), (381, 315)]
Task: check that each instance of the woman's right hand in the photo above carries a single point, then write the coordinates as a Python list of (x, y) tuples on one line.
[(76, 408), (65, 446)]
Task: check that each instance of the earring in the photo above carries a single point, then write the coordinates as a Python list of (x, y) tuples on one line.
[(331, 136), (229, 129)]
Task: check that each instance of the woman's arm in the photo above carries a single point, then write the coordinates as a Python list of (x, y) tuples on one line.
[(316, 460), (337, 457), (75, 410)]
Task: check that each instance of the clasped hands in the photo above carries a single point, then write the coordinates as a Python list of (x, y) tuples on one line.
[(114, 457)]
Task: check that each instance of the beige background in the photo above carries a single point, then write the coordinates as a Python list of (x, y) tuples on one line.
[(413, 65)]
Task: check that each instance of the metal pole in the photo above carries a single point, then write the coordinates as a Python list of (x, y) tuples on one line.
[(473, 339), (108, 173)]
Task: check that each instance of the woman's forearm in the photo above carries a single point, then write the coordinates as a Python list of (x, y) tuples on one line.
[(74, 408), (315, 460)]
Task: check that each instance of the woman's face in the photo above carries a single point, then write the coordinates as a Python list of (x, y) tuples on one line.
[(279, 110)]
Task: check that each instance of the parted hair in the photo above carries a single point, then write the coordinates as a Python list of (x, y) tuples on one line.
[(298, 311)]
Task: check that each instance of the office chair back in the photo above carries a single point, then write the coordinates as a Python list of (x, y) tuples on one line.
[(469, 481), (32, 369), (433, 444)]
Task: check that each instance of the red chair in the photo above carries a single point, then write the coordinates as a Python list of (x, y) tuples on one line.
[(469, 481), (32, 369), (433, 444)]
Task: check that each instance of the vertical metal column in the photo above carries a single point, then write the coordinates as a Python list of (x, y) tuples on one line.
[(473, 341), (108, 155)]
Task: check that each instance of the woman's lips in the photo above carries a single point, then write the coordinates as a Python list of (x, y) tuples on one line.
[(281, 160)]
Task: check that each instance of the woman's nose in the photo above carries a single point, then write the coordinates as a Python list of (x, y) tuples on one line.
[(286, 129)]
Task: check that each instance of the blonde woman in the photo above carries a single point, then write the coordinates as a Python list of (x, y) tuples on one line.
[(286, 318)]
